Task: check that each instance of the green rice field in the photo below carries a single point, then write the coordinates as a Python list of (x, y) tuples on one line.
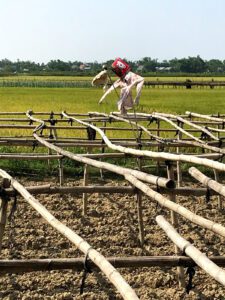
[(82, 100)]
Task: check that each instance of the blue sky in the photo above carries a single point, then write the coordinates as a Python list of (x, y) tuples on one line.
[(89, 30)]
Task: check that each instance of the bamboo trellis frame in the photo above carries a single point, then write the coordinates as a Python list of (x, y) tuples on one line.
[(112, 274), (137, 178)]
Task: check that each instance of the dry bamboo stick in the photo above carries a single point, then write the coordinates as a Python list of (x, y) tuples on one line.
[(217, 119), (30, 156), (186, 247), (3, 217), (210, 155), (42, 123), (112, 274), (140, 127), (140, 218), (32, 265), (216, 129), (12, 113), (198, 142), (177, 127), (98, 144), (179, 173), (18, 126), (131, 115), (166, 156), (219, 197), (214, 185), (163, 182), (48, 189), (5, 183), (174, 220), (171, 142), (188, 123), (76, 190), (61, 174), (159, 150), (85, 183), (186, 213)]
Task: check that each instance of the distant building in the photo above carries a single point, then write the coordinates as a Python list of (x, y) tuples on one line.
[(140, 68), (84, 67), (163, 69)]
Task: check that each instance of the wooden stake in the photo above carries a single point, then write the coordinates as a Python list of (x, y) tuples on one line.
[(220, 202), (3, 210), (85, 183), (3, 217), (179, 172), (174, 220), (140, 218), (61, 174)]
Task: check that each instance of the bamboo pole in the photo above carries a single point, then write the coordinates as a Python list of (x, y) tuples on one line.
[(186, 247), (5, 183), (217, 119), (219, 197), (200, 128), (85, 183), (162, 182), (103, 148), (214, 185), (3, 217), (174, 220), (179, 172), (112, 274), (90, 189), (166, 156), (122, 142), (158, 116), (61, 173), (197, 142), (145, 117), (32, 156), (186, 213), (158, 135), (78, 128), (170, 142), (77, 264), (29, 116), (76, 190), (140, 218)]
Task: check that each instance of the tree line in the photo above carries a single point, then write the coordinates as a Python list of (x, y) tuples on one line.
[(146, 66)]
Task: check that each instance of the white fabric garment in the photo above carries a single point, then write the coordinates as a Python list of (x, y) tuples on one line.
[(126, 101), (100, 78)]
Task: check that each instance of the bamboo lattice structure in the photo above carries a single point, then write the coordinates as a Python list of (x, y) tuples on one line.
[(198, 141)]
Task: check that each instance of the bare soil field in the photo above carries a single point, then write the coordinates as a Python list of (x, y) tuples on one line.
[(111, 227)]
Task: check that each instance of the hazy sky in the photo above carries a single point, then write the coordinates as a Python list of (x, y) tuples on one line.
[(89, 30)]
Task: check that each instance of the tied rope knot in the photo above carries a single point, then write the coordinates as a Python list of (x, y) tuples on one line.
[(191, 272), (87, 270)]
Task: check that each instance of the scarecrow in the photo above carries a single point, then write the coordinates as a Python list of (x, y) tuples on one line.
[(127, 80)]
